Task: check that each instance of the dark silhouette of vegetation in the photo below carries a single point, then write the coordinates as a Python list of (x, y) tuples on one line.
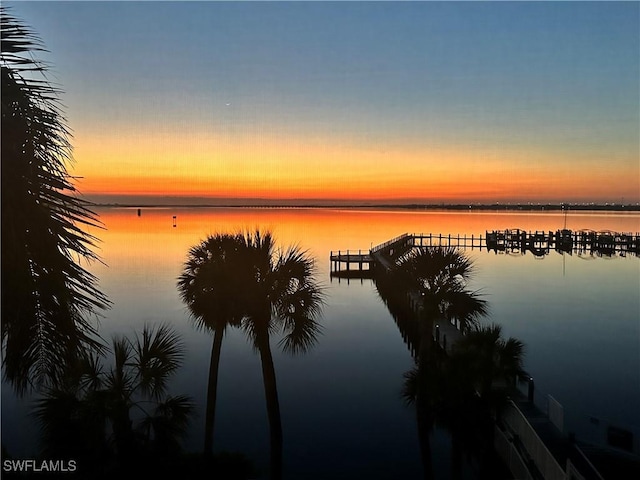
[(460, 388), (281, 295), (481, 374), (211, 286), (117, 417), (46, 293), (439, 275), (468, 385), (243, 280), (494, 364)]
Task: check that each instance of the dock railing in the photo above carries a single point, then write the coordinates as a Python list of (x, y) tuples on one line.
[(347, 254), (386, 244), (512, 241), (510, 455), (519, 426), (449, 240)]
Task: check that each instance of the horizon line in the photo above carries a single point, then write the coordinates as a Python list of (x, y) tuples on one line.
[(194, 200), (552, 206)]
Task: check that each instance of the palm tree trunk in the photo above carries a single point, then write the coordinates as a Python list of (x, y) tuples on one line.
[(273, 405), (424, 414), (212, 392)]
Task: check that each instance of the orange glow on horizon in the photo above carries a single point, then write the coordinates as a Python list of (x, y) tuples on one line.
[(269, 167)]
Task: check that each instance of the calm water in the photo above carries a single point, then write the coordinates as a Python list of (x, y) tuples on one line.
[(342, 414)]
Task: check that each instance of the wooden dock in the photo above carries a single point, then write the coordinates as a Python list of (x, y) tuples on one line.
[(445, 333), (538, 243), (532, 445), (383, 253), (349, 258), (450, 240), (603, 243), (406, 309)]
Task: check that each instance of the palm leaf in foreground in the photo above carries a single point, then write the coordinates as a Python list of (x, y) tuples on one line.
[(115, 414), (46, 293)]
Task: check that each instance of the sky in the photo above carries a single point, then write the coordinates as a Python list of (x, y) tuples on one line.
[(348, 101)]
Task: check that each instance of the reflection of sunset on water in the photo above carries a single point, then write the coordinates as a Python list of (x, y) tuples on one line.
[(131, 241), (331, 229), (562, 306)]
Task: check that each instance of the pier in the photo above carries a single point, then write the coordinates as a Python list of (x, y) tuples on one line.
[(532, 443), (349, 258), (406, 308), (538, 243)]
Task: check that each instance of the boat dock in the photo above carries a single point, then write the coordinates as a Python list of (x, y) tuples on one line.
[(350, 258), (532, 443), (538, 243), (603, 243), (380, 254)]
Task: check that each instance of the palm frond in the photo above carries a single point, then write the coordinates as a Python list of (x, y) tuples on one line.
[(511, 358), (92, 378), (71, 425), (465, 306), (409, 386), (211, 281), (301, 335), (158, 354), (119, 379), (297, 299), (167, 425), (177, 411), (46, 294), (434, 269)]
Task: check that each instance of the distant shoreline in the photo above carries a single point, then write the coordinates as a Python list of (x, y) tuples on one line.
[(458, 207)]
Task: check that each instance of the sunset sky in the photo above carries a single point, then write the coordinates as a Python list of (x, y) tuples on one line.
[(419, 101)]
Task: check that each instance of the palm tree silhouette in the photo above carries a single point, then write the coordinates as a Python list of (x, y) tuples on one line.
[(46, 293), (90, 414), (466, 385), (242, 280), (495, 363), (439, 275), (482, 371), (211, 286), (282, 295)]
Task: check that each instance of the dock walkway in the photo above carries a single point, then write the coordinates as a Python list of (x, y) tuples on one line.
[(538, 243), (349, 257), (531, 443), (445, 333)]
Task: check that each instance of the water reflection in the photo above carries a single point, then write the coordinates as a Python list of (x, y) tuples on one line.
[(244, 280), (451, 384), (351, 379)]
